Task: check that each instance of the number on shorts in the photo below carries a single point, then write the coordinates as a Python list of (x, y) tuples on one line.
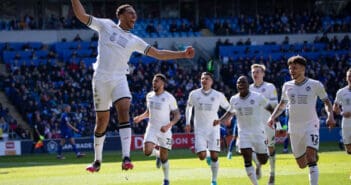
[(315, 139)]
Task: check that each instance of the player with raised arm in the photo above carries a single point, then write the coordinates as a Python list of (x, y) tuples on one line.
[(248, 107), (67, 129), (110, 86), (342, 106), (206, 103), (269, 91), (301, 94), (160, 104)]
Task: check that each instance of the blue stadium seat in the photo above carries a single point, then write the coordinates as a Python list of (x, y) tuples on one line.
[(84, 53), (16, 45), (25, 54), (8, 55), (41, 53), (35, 45)]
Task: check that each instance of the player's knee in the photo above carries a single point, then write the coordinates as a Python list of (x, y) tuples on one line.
[(349, 152), (301, 164), (124, 125), (201, 155), (214, 159), (272, 153), (163, 161)]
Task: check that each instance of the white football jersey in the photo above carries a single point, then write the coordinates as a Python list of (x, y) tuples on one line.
[(343, 98), (160, 107), (248, 112), (302, 100), (269, 91), (206, 107), (115, 46)]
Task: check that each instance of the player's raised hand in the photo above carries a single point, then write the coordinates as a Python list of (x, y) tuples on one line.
[(189, 52)]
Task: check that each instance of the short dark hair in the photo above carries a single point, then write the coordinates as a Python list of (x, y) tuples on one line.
[(208, 74), (161, 76), (121, 9), (297, 60)]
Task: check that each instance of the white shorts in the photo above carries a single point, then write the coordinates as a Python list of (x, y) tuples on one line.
[(209, 139), (302, 138), (106, 92), (159, 138), (257, 142), (270, 133)]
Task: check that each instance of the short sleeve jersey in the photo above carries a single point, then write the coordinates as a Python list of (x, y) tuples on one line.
[(248, 111), (206, 107), (160, 107), (115, 46), (302, 100), (269, 91)]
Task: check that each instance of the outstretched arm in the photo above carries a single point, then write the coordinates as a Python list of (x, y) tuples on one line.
[(79, 11), (189, 52), (224, 118)]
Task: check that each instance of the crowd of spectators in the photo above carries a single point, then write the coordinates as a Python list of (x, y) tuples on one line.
[(39, 91), (280, 23)]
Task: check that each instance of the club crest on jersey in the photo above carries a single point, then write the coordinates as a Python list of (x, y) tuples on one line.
[(308, 88), (252, 102), (163, 99), (212, 98), (113, 37), (263, 90)]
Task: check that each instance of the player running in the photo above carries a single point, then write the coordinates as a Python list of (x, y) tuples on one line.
[(160, 104), (301, 94), (206, 103), (269, 91), (248, 106)]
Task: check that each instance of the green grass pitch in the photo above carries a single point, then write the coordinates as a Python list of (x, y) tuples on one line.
[(185, 169)]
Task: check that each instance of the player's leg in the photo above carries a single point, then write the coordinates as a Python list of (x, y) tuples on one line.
[(102, 99), (59, 149), (102, 119), (214, 146), (165, 143), (149, 149), (271, 153), (74, 146), (346, 137), (286, 144), (232, 142), (312, 146), (122, 100), (164, 164), (250, 170), (214, 166)]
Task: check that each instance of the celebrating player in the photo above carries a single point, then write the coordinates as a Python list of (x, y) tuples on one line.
[(301, 94), (115, 46), (206, 102), (342, 106), (269, 91), (160, 104), (248, 107)]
